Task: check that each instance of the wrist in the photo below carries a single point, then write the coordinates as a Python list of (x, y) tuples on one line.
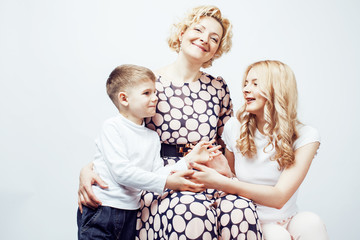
[(187, 161)]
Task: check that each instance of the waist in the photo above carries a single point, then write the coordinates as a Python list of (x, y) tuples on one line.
[(174, 150)]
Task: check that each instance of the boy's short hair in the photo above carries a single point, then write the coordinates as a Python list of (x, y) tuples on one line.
[(124, 77)]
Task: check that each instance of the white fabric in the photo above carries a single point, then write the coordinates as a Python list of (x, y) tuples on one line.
[(304, 226), (128, 159), (260, 169)]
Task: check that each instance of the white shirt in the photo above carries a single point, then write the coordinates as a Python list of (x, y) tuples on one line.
[(261, 170), (128, 159)]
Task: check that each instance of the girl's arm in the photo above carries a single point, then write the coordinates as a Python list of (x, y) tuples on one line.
[(271, 196)]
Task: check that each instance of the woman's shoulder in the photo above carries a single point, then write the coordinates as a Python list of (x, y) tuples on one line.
[(212, 77), (217, 82)]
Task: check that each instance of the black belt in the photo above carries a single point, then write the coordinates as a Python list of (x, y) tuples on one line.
[(174, 150)]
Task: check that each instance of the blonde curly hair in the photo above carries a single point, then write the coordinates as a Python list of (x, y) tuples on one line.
[(194, 16), (278, 85)]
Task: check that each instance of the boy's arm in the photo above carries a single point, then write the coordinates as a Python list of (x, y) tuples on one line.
[(113, 147)]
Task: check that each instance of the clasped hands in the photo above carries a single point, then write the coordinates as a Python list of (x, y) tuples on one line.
[(203, 157)]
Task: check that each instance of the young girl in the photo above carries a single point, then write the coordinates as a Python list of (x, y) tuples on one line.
[(270, 152)]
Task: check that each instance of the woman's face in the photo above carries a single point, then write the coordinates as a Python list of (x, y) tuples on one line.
[(254, 100), (201, 40)]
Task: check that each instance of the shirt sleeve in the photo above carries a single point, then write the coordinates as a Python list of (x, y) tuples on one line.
[(159, 167), (226, 107), (307, 134), (227, 135), (111, 144)]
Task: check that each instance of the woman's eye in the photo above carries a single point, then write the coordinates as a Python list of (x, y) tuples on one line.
[(215, 40), (197, 29)]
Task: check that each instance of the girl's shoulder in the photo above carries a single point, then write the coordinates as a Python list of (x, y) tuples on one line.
[(306, 134), (232, 125)]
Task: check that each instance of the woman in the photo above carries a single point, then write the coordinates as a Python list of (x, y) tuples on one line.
[(192, 106), (270, 151)]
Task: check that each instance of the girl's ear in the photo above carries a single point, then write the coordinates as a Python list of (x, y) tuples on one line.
[(123, 99)]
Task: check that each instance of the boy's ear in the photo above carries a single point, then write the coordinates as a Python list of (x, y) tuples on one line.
[(123, 99)]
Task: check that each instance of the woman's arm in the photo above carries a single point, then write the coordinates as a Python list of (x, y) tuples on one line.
[(271, 196), (86, 195)]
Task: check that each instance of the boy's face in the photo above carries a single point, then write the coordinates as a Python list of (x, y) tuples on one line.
[(142, 100)]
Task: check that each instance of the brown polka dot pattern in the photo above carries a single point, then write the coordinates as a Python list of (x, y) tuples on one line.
[(207, 215), (188, 113)]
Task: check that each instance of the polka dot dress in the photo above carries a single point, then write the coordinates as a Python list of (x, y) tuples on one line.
[(188, 113)]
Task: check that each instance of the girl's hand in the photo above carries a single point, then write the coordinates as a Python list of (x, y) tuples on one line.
[(86, 195), (179, 181), (205, 175), (220, 164)]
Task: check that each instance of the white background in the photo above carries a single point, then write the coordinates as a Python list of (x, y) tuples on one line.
[(55, 57)]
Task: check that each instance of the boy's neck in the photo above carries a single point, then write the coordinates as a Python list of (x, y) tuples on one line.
[(137, 121)]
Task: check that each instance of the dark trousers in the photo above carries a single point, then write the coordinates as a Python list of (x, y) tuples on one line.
[(106, 223)]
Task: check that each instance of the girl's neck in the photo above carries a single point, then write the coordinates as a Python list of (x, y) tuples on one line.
[(260, 123)]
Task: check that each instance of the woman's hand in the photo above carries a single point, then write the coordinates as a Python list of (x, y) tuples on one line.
[(86, 195), (203, 152)]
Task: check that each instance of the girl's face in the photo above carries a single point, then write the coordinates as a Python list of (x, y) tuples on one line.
[(201, 40), (254, 100)]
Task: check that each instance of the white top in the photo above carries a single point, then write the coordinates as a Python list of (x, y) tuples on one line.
[(261, 170), (128, 159)]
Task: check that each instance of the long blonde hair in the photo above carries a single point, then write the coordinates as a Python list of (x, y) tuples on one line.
[(278, 85), (194, 16)]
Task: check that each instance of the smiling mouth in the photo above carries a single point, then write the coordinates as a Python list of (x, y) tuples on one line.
[(201, 47), (250, 100)]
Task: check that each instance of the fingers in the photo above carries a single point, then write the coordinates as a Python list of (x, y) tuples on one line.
[(197, 166), (194, 187), (173, 172), (212, 141), (90, 198), (186, 173), (214, 149), (79, 203), (100, 182)]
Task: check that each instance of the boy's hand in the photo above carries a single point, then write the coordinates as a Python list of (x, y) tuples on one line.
[(203, 152), (179, 181)]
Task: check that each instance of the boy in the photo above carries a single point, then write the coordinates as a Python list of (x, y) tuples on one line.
[(128, 158)]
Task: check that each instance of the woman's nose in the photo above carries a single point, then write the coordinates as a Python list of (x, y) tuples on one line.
[(204, 38), (246, 88)]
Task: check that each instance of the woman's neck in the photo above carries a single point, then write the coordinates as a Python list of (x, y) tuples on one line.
[(181, 71)]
